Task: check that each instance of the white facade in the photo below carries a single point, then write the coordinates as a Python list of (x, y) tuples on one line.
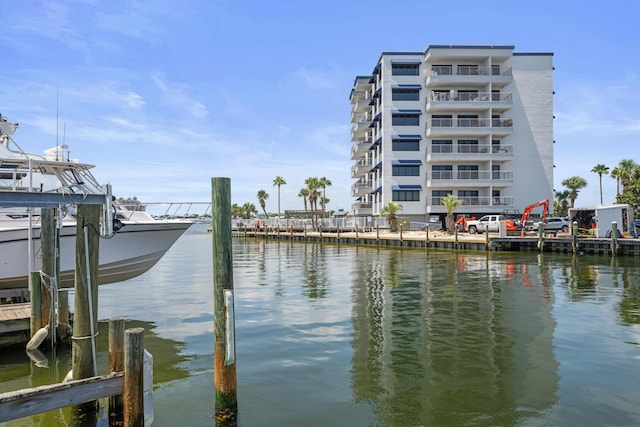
[(472, 121)]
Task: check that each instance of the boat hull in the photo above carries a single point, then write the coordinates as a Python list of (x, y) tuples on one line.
[(132, 251)]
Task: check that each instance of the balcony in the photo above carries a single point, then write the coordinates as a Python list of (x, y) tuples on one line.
[(454, 100), (469, 178), (438, 76), (361, 208), (469, 152), (475, 201), (361, 168), (478, 127), (360, 189), (359, 149)]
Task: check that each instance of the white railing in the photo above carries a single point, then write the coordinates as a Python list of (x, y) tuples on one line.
[(472, 175), (470, 123), (467, 70), (474, 201), (470, 149), (455, 96)]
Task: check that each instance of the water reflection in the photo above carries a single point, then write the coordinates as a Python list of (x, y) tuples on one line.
[(444, 339)]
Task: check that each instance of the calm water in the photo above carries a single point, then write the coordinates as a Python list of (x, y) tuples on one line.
[(335, 335)]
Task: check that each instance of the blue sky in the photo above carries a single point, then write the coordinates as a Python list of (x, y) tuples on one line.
[(163, 95)]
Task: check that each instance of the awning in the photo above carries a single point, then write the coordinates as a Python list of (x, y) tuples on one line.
[(406, 87), (406, 162), (377, 190), (376, 167), (406, 187)]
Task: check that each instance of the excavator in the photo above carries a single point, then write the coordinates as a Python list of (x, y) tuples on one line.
[(527, 211), (461, 223)]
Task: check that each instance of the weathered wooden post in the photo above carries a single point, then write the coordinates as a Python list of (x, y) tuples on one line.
[(426, 238), (574, 237), (224, 350), (486, 239), (614, 238), (116, 364), (62, 325), (36, 313), (83, 355), (455, 235), (133, 395), (48, 264), (540, 237)]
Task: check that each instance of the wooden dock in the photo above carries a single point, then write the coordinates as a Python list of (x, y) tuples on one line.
[(14, 324), (562, 243)]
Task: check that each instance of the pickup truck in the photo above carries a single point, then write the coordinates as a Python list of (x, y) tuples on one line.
[(490, 223)]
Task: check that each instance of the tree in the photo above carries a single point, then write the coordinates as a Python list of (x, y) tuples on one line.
[(248, 209), (600, 169), (304, 193), (450, 203), (574, 184), (313, 184), (625, 172), (324, 183), (615, 173), (278, 181), (236, 210), (631, 191), (391, 210), (262, 198), (561, 204)]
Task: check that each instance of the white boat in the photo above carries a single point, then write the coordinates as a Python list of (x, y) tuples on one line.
[(129, 252)]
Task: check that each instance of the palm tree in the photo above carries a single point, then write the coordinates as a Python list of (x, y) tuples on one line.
[(600, 169), (313, 184), (615, 173), (278, 181), (450, 203), (248, 209), (304, 193), (236, 210), (625, 171), (391, 210), (262, 197), (324, 183), (560, 204), (574, 184)]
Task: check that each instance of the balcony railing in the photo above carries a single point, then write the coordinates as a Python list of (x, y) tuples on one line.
[(360, 188), (471, 175), (470, 149), (361, 205), (475, 201), (455, 96), (361, 167), (467, 70), (471, 123)]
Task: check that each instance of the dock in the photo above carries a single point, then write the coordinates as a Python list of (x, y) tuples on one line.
[(561, 243), (14, 323)]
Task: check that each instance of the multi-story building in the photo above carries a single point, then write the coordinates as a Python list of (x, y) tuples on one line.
[(472, 121)]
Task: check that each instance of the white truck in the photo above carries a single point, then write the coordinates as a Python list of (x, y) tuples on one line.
[(490, 223)]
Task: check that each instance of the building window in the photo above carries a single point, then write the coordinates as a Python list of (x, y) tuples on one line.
[(469, 197), (399, 144), (441, 121), (467, 171), (495, 171), (467, 146), (468, 70), (402, 170), (438, 195), (399, 119), (441, 171), (441, 146), (402, 94), (405, 69), (468, 120), (405, 196), (441, 70)]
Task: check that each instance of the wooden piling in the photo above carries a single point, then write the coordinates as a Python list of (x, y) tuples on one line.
[(133, 395), (540, 237), (62, 324), (48, 263), (36, 313), (226, 404), (86, 290), (614, 238), (574, 237), (116, 364)]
